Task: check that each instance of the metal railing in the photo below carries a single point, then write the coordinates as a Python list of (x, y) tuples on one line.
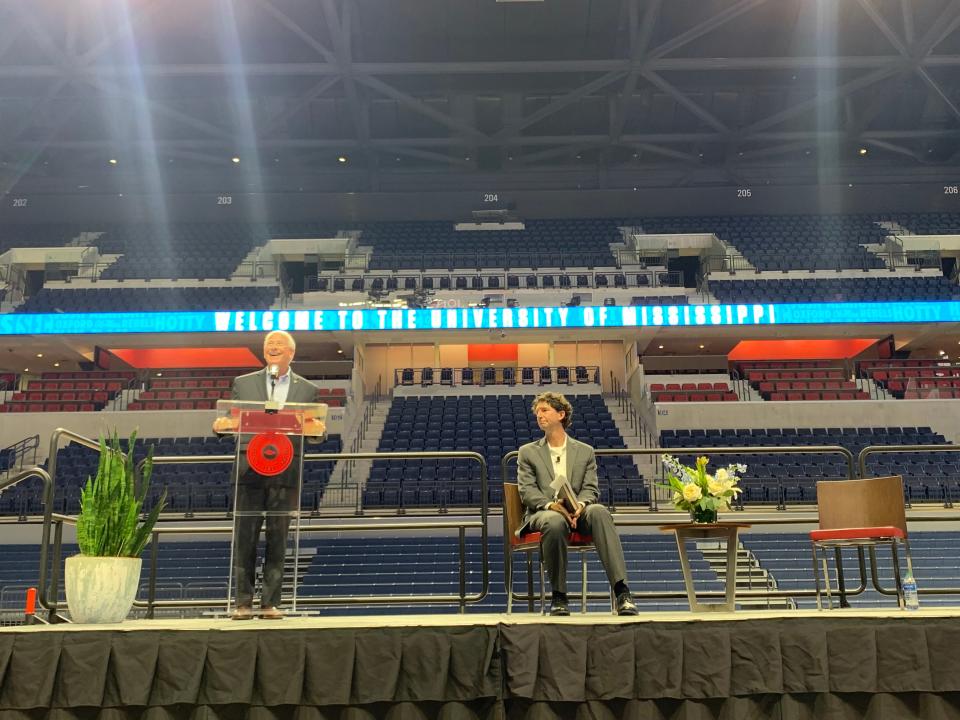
[(626, 406), (486, 280), (924, 380), (23, 452), (635, 520), (456, 377), (912, 259), (945, 494), (728, 263), (483, 259), (892, 260), (92, 272), (53, 523), (372, 402), (47, 478), (51, 544), (842, 370)]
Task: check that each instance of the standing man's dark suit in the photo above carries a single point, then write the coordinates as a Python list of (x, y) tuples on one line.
[(263, 500), (277, 495), (535, 472)]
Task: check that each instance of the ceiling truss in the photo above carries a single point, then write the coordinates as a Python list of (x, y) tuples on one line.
[(651, 64)]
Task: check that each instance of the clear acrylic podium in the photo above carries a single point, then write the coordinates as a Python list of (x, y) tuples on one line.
[(267, 483)]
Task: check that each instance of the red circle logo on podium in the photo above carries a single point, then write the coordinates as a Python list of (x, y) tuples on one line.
[(269, 453)]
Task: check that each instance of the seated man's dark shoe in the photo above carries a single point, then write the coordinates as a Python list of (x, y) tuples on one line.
[(559, 607), (626, 605)]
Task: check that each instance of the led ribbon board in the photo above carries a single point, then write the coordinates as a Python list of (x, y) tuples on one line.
[(542, 318)]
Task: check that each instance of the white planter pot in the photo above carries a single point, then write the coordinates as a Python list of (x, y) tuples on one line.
[(101, 589)]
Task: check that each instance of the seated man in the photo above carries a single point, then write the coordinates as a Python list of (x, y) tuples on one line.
[(538, 464)]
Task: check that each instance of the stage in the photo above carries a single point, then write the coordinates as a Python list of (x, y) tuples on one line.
[(805, 664)]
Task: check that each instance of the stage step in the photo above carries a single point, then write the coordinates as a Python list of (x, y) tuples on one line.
[(647, 465), (750, 575), (357, 472)]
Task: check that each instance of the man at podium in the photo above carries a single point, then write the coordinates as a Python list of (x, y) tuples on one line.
[(265, 500)]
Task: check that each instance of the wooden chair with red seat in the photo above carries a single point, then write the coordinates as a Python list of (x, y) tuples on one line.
[(513, 512), (863, 514)]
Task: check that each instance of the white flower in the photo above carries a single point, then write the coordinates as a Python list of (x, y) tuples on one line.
[(691, 492), (722, 476)]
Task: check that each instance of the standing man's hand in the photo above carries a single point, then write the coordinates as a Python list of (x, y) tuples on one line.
[(225, 424), (314, 427)]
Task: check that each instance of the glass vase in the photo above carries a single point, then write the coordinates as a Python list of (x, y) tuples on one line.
[(703, 515)]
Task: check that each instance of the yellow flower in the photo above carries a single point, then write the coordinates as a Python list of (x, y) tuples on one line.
[(691, 492), (722, 475), (716, 486)]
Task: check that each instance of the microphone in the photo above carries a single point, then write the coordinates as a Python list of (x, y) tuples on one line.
[(274, 372)]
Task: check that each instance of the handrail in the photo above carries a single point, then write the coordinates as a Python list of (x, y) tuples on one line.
[(806, 449), (49, 591), (23, 474), (151, 603), (935, 365), (20, 449), (483, 523), (402, 260), (626, 406), (49, 584), (49, 600), (455, 378), (892, 449), (909, 259), (47, 478), (635, 521)]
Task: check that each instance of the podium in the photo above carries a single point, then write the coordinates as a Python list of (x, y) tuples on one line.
[(267, 483)]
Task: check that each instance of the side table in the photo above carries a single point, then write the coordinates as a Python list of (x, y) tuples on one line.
[(695, 531)]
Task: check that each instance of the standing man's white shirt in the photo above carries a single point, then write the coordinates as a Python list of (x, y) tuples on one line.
[(282, 388)]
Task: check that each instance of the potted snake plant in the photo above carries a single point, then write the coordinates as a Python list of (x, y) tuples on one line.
[(101, 582)]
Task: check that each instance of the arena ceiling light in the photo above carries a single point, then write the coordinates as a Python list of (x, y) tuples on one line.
[(112, 161), (343, 159), (234, 159)]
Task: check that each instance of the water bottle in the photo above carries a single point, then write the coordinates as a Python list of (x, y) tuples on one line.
[(911, 598)]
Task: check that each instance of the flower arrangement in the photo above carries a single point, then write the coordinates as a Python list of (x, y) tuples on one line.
[(699, 493)]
